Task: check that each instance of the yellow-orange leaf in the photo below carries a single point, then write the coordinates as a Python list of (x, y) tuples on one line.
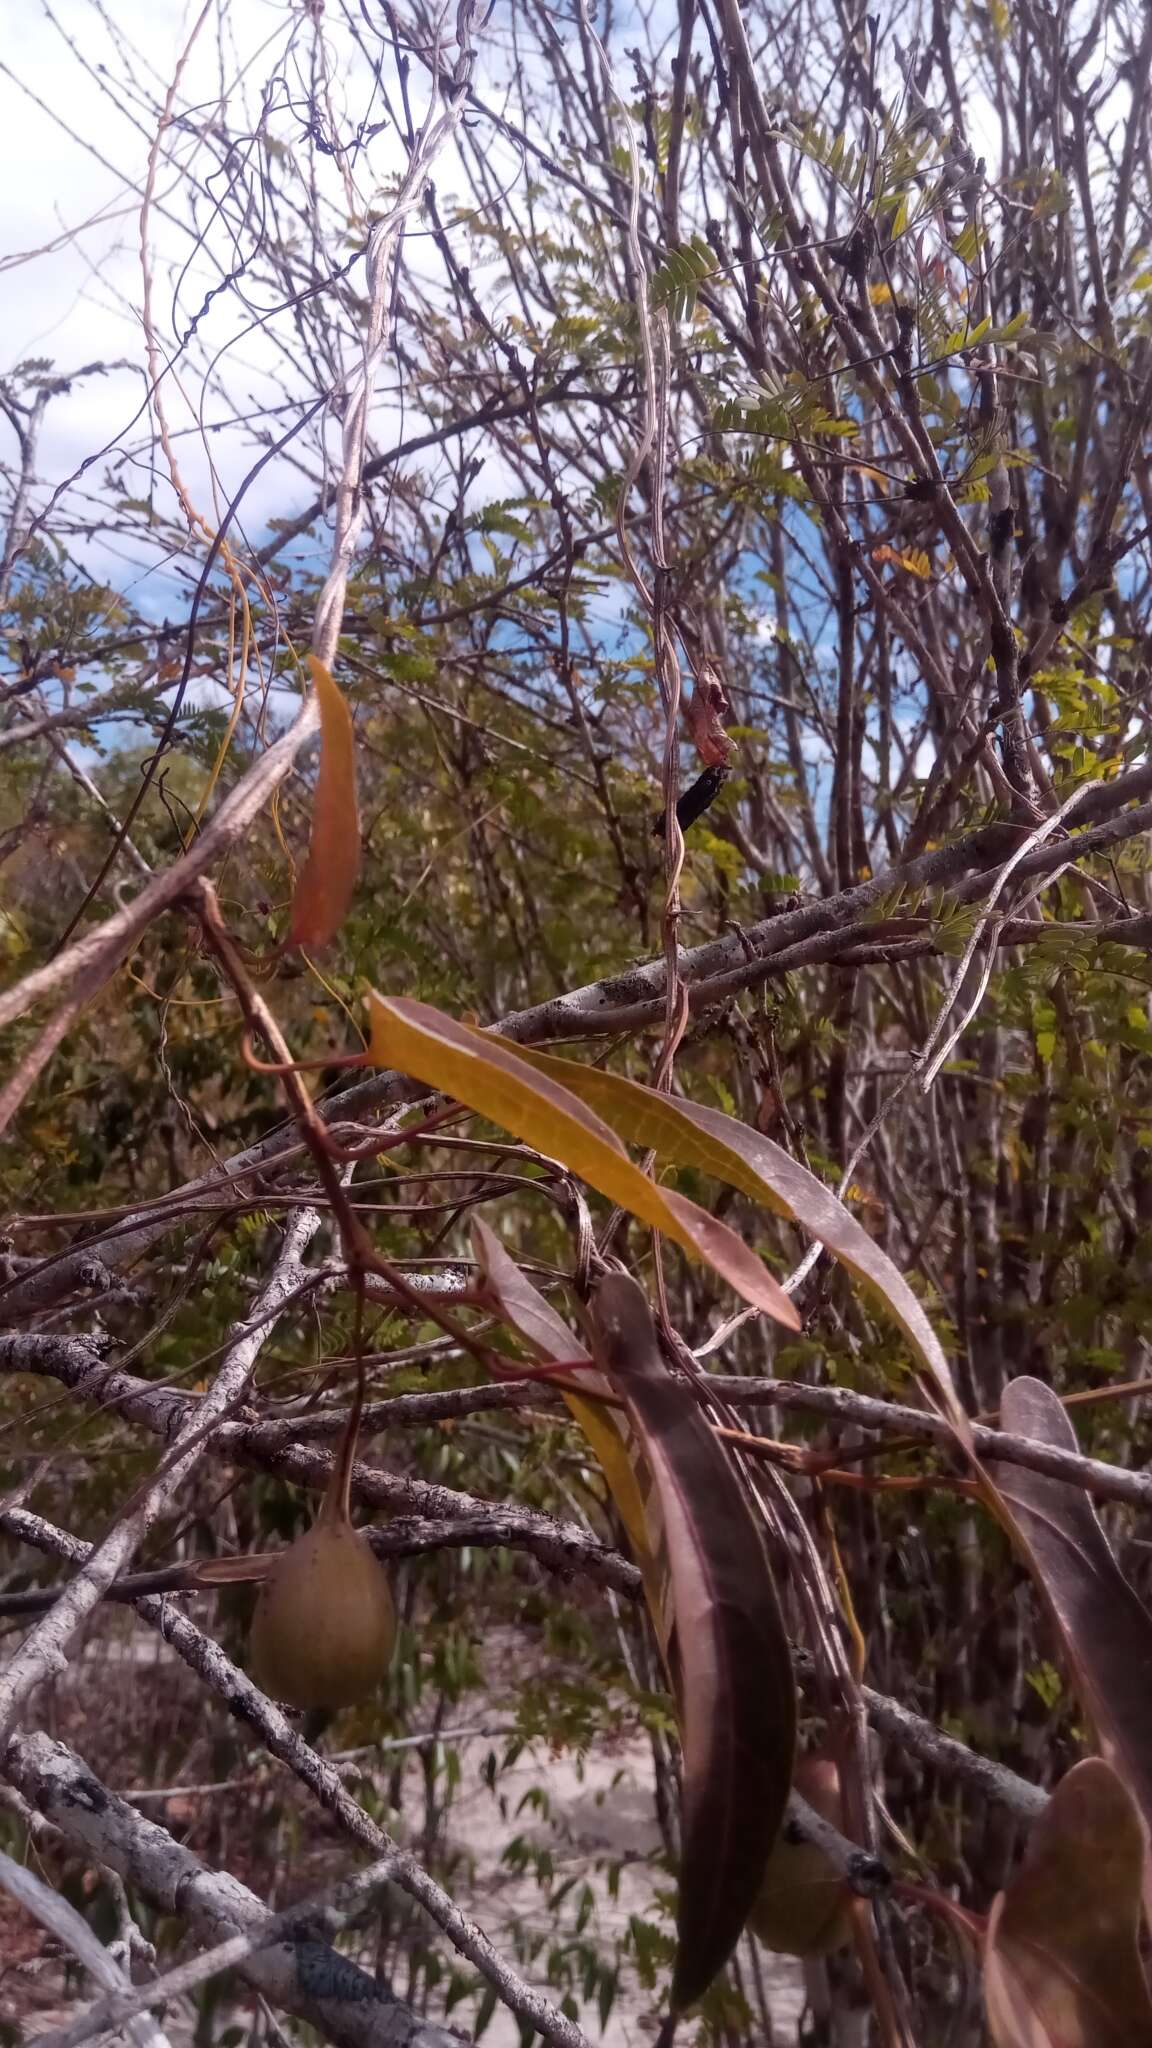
[(328, 882), (694, 1135), (876, 476), (914, 560), (609, 1431), (488, 1074)]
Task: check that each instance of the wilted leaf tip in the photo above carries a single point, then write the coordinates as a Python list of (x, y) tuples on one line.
[(328, 881)]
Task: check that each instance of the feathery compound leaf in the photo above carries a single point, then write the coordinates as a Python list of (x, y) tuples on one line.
[(680, 276), (328, 881), (1062, 1963), (729, 1656), (489, 1075), (1105, 1626), (693, 1135)]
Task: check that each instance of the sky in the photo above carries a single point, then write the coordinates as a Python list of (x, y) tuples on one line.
[(81, 301), (72, 211), (73, 159), (77, 81), (74, 151)]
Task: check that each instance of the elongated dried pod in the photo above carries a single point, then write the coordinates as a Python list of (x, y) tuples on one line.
[(324, 1628)]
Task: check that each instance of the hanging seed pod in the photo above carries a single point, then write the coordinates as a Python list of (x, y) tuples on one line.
[(324, 1628), (805, 1907), (325, 1623)]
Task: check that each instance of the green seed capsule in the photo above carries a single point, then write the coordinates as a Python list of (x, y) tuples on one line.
[(324, 1628), (805, 1907)]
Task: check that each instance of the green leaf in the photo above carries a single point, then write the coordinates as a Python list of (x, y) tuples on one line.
[(834, 424), (676, 283), (965, 337), (968, 243)]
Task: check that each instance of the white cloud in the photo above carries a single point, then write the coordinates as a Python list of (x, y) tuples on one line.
[(80, 299)]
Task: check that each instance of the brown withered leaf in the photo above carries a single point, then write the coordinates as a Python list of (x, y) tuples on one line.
[(1062, 1963), (704, 715), (522, 1304), (250, 1570), (328, 880), (729, 1655), (1106, 1629)]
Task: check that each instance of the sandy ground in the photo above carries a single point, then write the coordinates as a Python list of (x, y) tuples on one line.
[(601, 1812), (598, 1815), (599, 1824)]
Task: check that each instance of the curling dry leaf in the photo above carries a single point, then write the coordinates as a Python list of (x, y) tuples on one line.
[(328, 880), (1105, 1626), (728, 1655), (694, 1135), (1062, 1963), (489, 1075)]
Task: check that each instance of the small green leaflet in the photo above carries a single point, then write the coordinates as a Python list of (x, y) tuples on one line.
[(683, 271)]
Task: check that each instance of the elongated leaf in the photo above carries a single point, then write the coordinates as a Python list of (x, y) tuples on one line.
[(523, 1305), (609, 1430), (328, 881), (250, 1569), (1062, 1963), (616, 1451), (694, 1135), (489, 1075), (735, 1697), (1106, 1628)]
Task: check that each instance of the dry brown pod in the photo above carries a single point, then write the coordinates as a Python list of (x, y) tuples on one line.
[(805, 1907), (324, 1628)]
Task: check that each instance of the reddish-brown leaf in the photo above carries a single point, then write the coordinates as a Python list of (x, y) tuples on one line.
[(1062, 1963), (522, 1304), (729, 1655), (328, 880), (1106, 1628)]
